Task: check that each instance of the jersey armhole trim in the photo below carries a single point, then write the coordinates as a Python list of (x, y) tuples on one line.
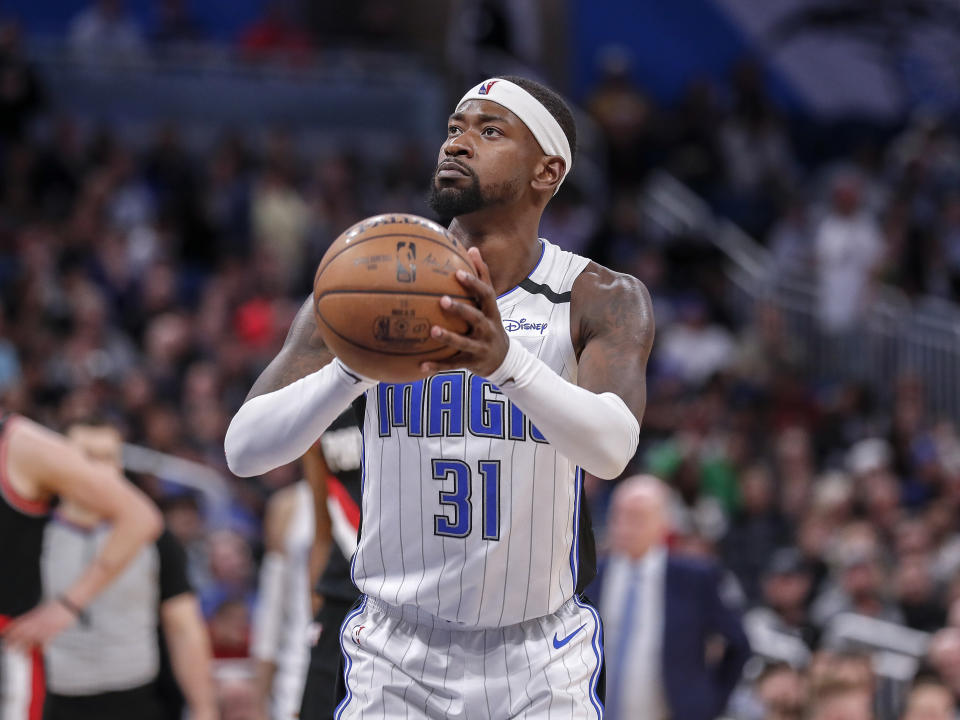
[(33, 508)]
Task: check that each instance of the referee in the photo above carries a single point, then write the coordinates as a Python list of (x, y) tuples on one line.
[(106, 666)]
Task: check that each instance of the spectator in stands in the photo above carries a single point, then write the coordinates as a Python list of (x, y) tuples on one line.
[(231, 572), (943, 655), (104, 32), (782, 692), (755, 531), (694, 347), (849, 251), (660, 612), (626, 117), (841, 704), (929, 700), (787, 584), (917, 596), (841, 687), (757, 153), (861, 582)]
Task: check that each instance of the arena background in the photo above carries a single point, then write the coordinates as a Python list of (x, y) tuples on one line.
[(783, 175)]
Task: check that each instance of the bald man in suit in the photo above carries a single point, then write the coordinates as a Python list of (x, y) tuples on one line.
[(661, 613)]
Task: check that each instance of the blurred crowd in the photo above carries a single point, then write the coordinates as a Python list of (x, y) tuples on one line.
[(148, 284)]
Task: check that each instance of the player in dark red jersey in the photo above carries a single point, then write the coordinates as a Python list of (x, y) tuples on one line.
[(36, 467)]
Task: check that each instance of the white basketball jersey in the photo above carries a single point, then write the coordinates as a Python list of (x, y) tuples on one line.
[(469, 515)]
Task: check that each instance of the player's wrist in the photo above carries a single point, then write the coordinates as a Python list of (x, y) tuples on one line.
[(515, 366)]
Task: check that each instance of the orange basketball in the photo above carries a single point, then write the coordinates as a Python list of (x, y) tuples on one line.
[(377, 294)]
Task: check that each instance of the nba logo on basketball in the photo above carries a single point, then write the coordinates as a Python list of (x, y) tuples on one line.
[(486, 87), (406, 262)]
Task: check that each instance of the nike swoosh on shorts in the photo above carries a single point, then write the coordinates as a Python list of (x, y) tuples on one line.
[(560, 643)]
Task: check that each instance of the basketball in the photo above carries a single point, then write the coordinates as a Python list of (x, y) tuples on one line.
[(377, 294)]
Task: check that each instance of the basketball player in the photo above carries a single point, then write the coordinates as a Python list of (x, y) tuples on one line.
[(308, 527), (475, 544), (36, 467)]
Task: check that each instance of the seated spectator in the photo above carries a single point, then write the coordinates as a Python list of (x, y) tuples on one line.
[(860, 581), (943, 655), (782, 692), (695, 348), (786, 583), (930, 700), (756, 530)]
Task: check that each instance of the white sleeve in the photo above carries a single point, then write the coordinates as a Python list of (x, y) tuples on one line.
[(268, 615), (277, 428), (597, 432)]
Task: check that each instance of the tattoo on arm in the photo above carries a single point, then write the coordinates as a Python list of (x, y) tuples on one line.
[(303, 352), (612, 318)]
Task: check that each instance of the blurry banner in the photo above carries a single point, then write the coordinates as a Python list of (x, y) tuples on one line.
[(827, 58)]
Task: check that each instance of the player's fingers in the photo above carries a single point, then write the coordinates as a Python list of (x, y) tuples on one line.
[(462, 310), (481, 290), (456, 340), (435, 366)]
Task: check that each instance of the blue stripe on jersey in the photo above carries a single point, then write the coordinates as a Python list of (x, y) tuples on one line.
[(363, 476), (348, 662), (575, 545), (596, 643)]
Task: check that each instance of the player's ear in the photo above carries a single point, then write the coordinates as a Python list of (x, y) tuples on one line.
[(549, 173)]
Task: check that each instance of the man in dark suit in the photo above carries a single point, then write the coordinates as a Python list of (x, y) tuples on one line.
[(675, 644)]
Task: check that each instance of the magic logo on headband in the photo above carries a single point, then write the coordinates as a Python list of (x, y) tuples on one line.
[(531, 112)]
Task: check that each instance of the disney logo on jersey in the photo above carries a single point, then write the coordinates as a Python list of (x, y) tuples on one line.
[(512, 326)]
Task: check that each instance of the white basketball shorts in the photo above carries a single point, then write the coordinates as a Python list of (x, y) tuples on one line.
[(398, 666)]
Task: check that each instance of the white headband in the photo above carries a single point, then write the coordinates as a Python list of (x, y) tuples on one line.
[(531, 112)]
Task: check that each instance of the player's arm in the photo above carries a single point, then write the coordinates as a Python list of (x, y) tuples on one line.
[(298, 395), (51, 465), (183, 628), (596, 424), (268, 617), (190, 654), (316, 471), (303, 353), (612, 317)]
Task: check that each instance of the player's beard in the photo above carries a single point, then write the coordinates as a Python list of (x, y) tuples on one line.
[(450, 202)]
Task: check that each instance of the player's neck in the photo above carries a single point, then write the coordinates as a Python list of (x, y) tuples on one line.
[(510, 245)]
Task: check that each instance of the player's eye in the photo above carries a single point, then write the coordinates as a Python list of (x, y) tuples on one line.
[(491, 131), (453, 130)]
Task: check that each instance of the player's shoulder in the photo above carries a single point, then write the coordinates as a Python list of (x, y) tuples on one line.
[(596, 282), (602, 298)]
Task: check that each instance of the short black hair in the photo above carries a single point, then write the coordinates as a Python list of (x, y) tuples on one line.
[(554, 104)]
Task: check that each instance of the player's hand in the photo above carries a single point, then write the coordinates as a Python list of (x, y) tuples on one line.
[(38, 627), (484, 346)]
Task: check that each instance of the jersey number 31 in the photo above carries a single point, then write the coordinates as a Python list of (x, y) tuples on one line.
[(460, 498)]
